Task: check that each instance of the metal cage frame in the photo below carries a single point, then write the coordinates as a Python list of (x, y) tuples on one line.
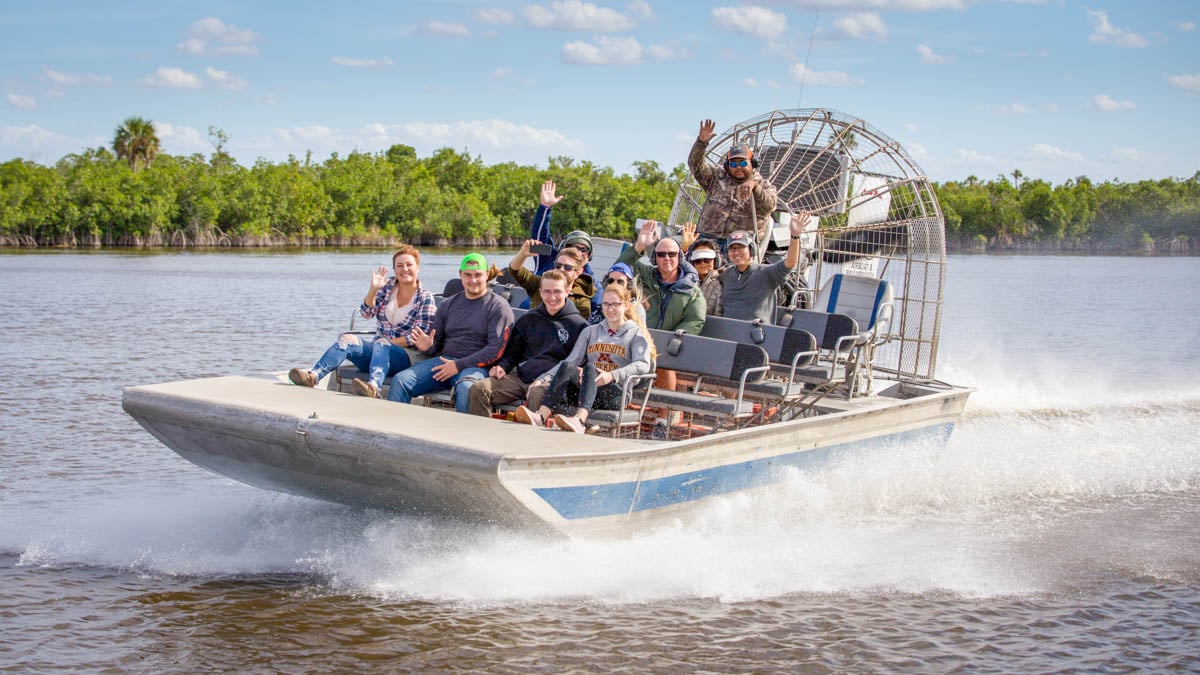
[(879, 216)]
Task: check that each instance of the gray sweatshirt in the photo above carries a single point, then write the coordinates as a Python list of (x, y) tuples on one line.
[(750, 295), (625, 354), (471, 332)]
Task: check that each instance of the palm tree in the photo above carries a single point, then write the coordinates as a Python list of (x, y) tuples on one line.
[(136, 142)]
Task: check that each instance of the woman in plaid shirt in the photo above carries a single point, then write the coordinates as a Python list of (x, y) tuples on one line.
[(398, 304)]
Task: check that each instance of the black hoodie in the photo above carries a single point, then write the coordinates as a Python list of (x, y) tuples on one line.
[(539, 341)]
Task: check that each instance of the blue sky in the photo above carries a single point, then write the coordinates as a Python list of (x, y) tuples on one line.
[(1055, 89)]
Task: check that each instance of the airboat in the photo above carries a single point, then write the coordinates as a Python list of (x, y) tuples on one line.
[(848, 366)]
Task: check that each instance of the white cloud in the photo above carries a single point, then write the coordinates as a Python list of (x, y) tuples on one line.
[(1185, 26), (495, 16), (825, 78), (1132, 154), (443, 29), (502, 73), (385, 62), (972, 155), (180, 140), (173, 77), (882, 5), (928, 56), (862, 26), (1054, 152), (576, 16), (21, 101), (225, 80), (750, 82), (33, 142), (75, 79), (1103, 32), (213, 37), (316, 132), (618, 51), (1106, 103), (1189, 83), (757, 22), (640, 10), (505, 141), (1006, 109)]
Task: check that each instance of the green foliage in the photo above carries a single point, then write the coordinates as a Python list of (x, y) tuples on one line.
[(1111, 212), (135, 196), (136, 142)]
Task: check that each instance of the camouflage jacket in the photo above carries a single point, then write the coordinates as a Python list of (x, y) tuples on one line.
[(722, 213)]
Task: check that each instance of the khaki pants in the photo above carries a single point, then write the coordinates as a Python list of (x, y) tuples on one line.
[(489, 392)]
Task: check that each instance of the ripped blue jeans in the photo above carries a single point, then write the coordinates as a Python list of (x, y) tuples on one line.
[(377, 356)]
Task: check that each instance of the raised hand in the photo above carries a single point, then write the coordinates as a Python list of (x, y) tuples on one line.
[(379, 277), (707, 131), (799, 223), (647, 236), (549, 199), (689, 235)]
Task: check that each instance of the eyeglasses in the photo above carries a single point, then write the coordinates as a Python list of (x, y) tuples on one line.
[(666, 254), (738, 164), (610, 280), (565, 268), (612, 305)]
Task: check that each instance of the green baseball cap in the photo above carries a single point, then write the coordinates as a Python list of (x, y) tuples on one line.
[(473, 262)]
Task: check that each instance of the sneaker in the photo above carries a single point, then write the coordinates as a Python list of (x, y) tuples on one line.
[(569, 423), (304, 378), (526, 416), (661, 430), (364, 388)]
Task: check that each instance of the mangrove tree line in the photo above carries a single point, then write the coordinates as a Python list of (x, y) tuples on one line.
[(135, 196)]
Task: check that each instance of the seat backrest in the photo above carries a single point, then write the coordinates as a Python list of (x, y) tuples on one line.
[(708, 356), (516, 295), (826, 327), (454, 285), (781, 343), (860, 298)]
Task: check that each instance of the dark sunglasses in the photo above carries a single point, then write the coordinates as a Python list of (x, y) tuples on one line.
[(610, 280), (666, 254), (566, 268), (738, 164)]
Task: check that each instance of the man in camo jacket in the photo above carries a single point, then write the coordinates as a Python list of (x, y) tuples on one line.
[(739, 197)]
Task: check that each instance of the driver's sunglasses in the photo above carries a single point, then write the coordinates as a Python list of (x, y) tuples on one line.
[(738, 164)]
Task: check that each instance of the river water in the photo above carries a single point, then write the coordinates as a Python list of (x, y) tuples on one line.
[(1057, 531)]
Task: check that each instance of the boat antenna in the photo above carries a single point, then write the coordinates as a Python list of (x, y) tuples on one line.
[(804, 75)]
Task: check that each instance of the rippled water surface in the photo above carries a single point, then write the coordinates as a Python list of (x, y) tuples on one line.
[(1057, 531)]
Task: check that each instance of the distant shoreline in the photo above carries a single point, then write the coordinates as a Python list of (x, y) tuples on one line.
[(1181, 247)]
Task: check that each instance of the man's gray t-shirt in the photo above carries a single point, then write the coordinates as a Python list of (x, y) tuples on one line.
[(750, 295)]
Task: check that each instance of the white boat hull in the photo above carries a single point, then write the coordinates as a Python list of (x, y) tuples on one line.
[(318, 443)]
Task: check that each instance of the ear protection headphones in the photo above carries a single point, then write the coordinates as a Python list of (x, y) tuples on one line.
[(749, 155)]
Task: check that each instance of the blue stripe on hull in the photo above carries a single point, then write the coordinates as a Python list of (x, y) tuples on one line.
[(610, 499)]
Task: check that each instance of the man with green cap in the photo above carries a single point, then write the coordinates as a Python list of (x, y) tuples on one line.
[(469, 334)]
